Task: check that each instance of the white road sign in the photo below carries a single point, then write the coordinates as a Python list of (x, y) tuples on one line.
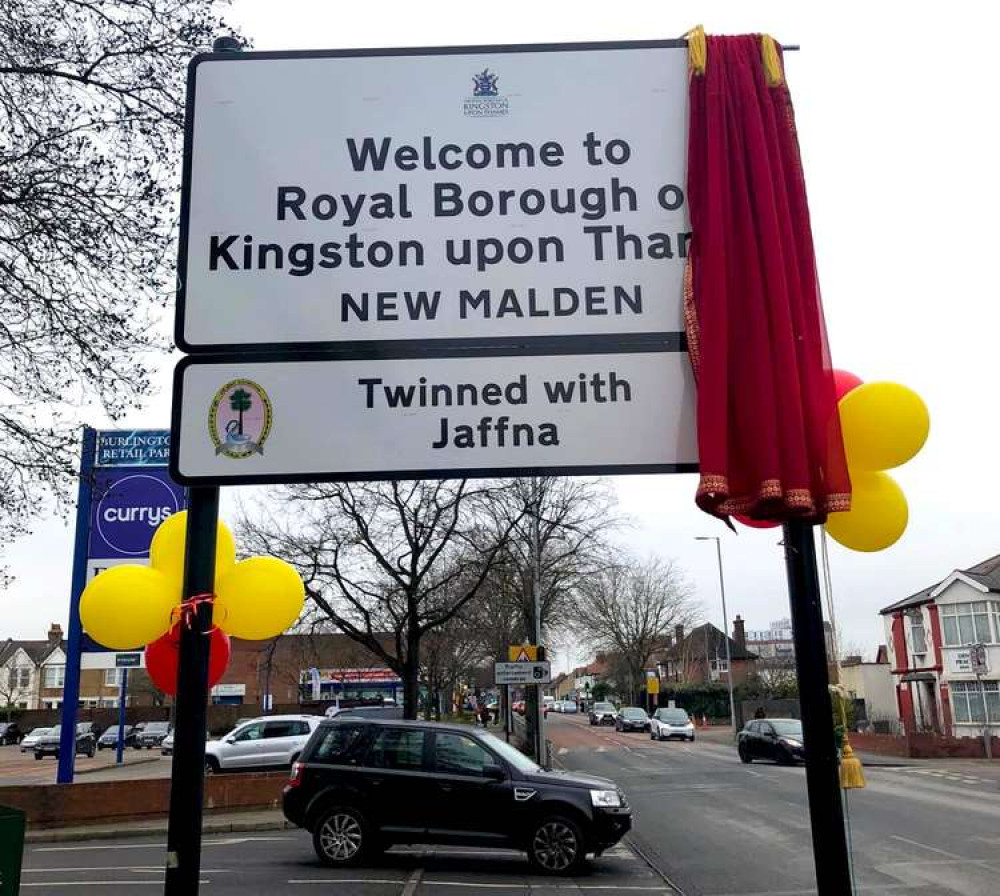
[(243, 420), (522, 673), (479, 192)]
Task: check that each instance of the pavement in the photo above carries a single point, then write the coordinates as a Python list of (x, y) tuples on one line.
[(715, 827)]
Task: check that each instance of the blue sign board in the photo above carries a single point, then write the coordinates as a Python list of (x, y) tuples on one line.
[(126, 507), (133, 448)]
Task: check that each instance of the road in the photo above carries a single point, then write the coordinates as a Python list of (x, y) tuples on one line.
[(283, 864), (716, 827)]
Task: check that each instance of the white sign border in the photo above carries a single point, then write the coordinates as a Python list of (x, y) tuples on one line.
[(389, 346)]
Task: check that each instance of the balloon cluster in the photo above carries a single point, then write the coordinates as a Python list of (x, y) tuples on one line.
[(127, 606), (884, 425)]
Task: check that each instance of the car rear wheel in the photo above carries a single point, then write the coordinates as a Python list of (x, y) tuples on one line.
[(745, 757), (556, 846), (38, 755), (211, 765), (342, 837)]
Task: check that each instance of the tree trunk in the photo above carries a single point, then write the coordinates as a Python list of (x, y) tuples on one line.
[(411, 670)]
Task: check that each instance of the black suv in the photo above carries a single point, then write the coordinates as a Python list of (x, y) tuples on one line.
[(10, 733), (151, 736), (362, 785)]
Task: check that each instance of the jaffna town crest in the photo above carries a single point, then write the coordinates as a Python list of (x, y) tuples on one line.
[(239, 420)]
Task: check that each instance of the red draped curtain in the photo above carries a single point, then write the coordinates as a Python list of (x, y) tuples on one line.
[(769, 437)]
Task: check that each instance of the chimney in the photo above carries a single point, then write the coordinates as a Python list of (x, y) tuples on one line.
[(678, 633), (740, 633), (55, 633)]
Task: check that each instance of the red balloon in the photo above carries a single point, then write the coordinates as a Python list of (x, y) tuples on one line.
[(844, 381), (755, 524), (163, 653)]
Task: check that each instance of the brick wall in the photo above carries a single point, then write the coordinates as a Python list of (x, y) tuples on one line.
[(62, 805), (924, 746)]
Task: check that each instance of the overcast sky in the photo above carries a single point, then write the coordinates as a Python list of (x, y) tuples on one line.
[(896, 121)]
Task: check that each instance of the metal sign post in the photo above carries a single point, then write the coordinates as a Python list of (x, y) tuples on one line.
[(122, 691), (826, 813)]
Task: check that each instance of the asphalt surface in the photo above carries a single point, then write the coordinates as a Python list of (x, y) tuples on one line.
[(716, 827), (283, 863)]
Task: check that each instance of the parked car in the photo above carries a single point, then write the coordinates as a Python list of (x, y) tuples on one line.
[(48, 744), (167, 745), (777, 739), (669, 723), (31, 738), (10, 733), (368, 712), (569, 706), (363, 785), (602, 714), (548, 703), (110, 737), (152, 735), (632, 718), (261, 743)]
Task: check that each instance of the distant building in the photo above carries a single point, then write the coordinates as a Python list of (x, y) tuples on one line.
[(930, 638), (776, 642)]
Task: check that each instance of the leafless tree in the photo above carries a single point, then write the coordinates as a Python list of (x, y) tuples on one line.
[(629, 608), (91, 115), (387, 562)]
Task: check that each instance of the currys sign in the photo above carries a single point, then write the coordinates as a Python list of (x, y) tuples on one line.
[(126, 508)]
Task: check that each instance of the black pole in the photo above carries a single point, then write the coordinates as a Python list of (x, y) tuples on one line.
[(187, 780), (822, 776)]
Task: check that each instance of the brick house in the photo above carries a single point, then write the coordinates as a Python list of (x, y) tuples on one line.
[(929, 636), (699, 656)]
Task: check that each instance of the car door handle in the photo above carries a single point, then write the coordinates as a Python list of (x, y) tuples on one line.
[(446, 786)]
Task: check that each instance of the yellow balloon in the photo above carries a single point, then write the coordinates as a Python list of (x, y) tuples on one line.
[(258, 598), (127, 606), (884, 425), (166, 552), (878, 514)]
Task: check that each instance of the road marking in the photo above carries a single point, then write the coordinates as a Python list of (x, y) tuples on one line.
[(231, 841), (944, 852), (414, 881), (346, 880), (868, 888), (136, 869), (103, 883)]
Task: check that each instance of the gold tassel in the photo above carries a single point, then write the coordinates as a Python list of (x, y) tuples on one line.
[(852, 773), (772, 61), (697, 50)]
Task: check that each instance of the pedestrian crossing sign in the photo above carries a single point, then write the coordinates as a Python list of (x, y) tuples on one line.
[(522, 653)]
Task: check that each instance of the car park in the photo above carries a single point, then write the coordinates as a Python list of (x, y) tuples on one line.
[(667, 723), (777, 739), (48, 744), (152, 735), (632, 718), (602, 714), (31, 738), (110, 738), (10, 734), (363, 785), (267, 742)]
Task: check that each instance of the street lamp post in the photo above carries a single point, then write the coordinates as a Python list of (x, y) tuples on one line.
[(725, 627)]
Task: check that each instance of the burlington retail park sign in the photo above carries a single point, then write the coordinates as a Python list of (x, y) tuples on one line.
[(434, 263)]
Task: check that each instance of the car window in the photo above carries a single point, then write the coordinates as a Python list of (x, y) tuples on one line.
[(397, 748), (277, 729), (676, 716), (765, 728), (634, 713), (251, 732), (788, 727), (334, 747), (456, 754), (604, 707)]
